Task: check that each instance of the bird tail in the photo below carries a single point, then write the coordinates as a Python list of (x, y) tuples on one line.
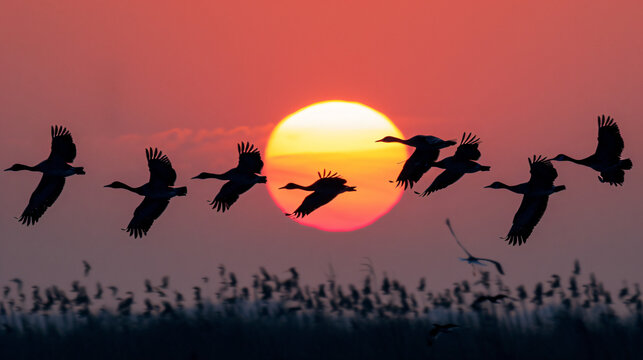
[(262, 179), (559, 188), (485, 168), (81, 170), (351, 188), (625, 164), (182, 191)]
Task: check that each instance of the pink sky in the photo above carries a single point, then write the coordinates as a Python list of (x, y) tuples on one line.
[(527, 77)]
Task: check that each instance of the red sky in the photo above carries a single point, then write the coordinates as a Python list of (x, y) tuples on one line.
[(194, 78)]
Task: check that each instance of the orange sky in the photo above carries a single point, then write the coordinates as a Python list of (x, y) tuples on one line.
[(528, 77)]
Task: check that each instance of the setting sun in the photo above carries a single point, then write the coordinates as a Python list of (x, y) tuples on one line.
[(338, 136)]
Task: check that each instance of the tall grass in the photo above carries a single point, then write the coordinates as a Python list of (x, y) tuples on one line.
[(272, 318)]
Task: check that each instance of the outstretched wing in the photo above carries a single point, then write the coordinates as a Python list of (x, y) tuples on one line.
[(529, 213), (161, 171), (312, 202), (249, 158), (610, 143), (542, 172), (62, 145), (42, 198), (417, 165), (229, 194), (495, 263), (145, 214), (443, 180), (468, 148)]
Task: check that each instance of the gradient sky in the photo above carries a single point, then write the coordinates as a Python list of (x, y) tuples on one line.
[(194, 78)]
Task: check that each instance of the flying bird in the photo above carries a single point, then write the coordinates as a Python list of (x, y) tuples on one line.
[(439, 329), (491, 298), (157, 192), (535, 197), (325, 189), (54, 171), (463, 162), (87, 267), (240, 179), (427, 150), (470, 258), (607, 157)]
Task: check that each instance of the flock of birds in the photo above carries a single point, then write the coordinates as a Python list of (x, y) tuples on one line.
[(158, 191)]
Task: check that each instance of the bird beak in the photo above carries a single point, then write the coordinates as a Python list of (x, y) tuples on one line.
[(196, 177), (488, 186), (283, 187)]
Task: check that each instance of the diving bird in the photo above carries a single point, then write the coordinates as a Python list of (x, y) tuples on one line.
[(240, 179), (535, 197), (427, 150), (457, 165), (607, 157), (157, 192), (54, 171), (470, 258), (325, 189)]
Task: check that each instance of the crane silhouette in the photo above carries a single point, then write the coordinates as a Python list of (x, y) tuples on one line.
[(470, 258), (240, 179), (54, 171), (607, 157), (535, 197), (427, 150), (157, 192), (457, 165), (325, 189)]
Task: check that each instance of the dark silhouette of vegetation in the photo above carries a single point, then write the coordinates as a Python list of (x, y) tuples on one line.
[(277, 317)]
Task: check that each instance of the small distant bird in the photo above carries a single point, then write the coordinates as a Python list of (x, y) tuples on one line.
[(54, 171), (114, 290), (457, 165), (87, 267), (491, 298), (165, 282), (18, 282), (535, 197), (607, 157), (427, 150), (470, 258), (240, 179), (439, 329), (324, 190), (158, 192)]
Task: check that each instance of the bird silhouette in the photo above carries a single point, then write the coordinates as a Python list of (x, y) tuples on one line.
[(427, 150), (325, 189), (157, 192), (457, 165), (491, 298), (54, 171), (470, 258), (87, 267), (439, 329), (240, 179), (607, 157), (535, 197)]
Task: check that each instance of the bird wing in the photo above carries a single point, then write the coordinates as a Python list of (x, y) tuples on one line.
[(443, 180), (229, 194), (161, 171), (416, 165), (42, 198), (313, 202), (529, 213), (610, 143), (456, 238), (249, 158), (497, 264), (613, 176), (62, 145), (542, 173), (468, 148), (145, 214)]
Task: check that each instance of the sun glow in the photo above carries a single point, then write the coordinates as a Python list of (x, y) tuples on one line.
[(338, 136)]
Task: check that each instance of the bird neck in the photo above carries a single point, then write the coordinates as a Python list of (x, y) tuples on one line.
[(224, 176), (390, 139), (297, 186), (120, 185), (576, 161), (514, 188), (19, 167)]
